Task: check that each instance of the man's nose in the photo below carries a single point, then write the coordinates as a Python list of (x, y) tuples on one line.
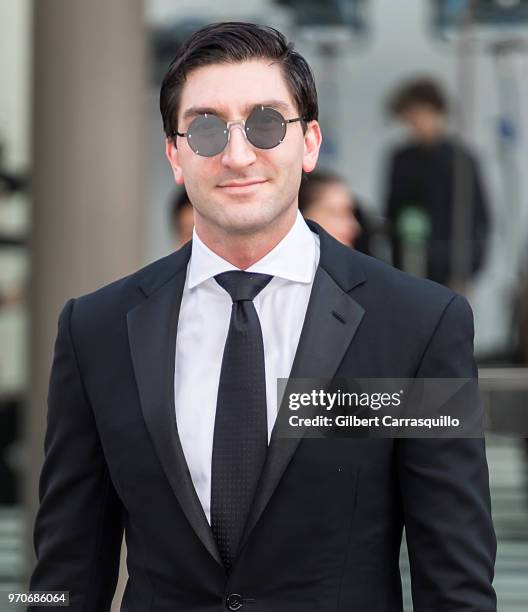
[(238, 153)]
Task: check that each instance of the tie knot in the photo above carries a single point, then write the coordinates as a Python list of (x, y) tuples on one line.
[(241, 285)]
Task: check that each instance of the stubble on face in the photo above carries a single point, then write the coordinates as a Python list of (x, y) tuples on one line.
[(241, 215)]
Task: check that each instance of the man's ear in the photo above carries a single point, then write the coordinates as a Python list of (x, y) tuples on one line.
[(172, 155), (312, 143)]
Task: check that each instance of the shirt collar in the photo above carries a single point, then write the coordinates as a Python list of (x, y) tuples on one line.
[(292, 259)]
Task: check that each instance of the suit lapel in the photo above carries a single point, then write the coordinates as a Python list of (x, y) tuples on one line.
[(331, 321), (152, 330)]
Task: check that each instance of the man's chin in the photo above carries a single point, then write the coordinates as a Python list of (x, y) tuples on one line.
[(248, 222), (246, 227), (247, 218)]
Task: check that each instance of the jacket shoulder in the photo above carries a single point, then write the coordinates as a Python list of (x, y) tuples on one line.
[(402, 295), (122, 294)]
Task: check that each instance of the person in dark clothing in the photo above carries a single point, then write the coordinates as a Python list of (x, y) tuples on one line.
[(436, 202)]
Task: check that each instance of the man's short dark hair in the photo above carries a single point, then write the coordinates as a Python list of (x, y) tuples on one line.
[(423, 91), (234, 42)]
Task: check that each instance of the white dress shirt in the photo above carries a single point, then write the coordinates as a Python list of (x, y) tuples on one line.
[(203, 324)]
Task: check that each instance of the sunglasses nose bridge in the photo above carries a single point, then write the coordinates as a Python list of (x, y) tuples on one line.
[(240, 123), (237, 151), (236, 123)]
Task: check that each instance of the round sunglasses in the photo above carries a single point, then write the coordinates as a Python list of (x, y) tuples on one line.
[(265, 128)]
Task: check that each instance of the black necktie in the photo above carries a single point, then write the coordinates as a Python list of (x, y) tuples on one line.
[(241, 429)]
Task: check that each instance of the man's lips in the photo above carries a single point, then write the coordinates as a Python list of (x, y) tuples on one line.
[(241, 184)]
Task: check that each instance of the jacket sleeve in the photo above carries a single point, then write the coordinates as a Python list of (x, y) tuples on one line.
[(445, 491), (79, 524)]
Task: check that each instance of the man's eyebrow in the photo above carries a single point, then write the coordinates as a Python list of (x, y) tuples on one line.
[(193, 111)]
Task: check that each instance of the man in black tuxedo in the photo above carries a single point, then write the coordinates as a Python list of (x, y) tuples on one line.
[(162, 406)]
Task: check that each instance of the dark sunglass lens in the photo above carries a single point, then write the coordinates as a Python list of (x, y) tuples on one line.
[(265, 128), (207, 135)]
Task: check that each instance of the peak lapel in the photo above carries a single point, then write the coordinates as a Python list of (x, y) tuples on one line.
[(152, 330), (331, 321)]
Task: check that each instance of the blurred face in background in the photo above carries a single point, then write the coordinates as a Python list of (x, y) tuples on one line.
[(333, 208), (183, 225), (425, 123), (243, 190)]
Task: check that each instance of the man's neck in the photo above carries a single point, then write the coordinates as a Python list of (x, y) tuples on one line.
[(243, 250)]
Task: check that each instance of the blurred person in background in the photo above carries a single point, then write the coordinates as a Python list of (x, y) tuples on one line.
[(523, 323), (13, 294), (522, 352), (421, 190), (11, 183), (325, 199), (181, 218)]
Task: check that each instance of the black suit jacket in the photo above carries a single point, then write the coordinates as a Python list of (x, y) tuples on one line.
[(325, 527)]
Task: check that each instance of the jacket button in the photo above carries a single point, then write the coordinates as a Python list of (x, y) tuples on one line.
[(234, 601)]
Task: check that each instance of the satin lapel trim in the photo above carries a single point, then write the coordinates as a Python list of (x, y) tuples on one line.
[(331, 321), (152, 330)]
